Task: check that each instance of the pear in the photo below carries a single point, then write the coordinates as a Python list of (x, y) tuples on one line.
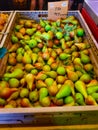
[(13, 103), (2, 102), (54, 66), (50, 60), (19, 57), (38, 65), (29, 78), (77, 61), (18, 27), (79, 68), (64, 91), (6, 92), (14, 83), (34, 57), (25, 102), (28, 67), (84, 58), (53, 89), (81, 87), (46, 55), (46, 68), (33, 96), (53, 54), (34, 71), (81, 46), (45, 102), (12, 60), (42, 23), (4, 84), (88, 67), (40, 84), (14, 39), (75, 54), (92, 89), (92, 83), (79, 99), (95, 96), (49, 81), (90, 101), (26, 58), (19, 35), (43, 92), (51, 74), (24, 92), (14, 47), (69, 100), (57, 102), (61, 70), (41, 76), (60, 79), (71, 84), (30, 31), (9, 106), (72, 75), (64, 56), (85, 78), (13, 96), (17, 73)]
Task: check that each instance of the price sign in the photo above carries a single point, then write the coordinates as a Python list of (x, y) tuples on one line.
[(57, 9)]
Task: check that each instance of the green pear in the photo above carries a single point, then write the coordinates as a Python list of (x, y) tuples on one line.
[(84, 58), (17, 73), (92, 83), (92, 89), (43, 92), (61, 70), (79, 99), (69, 100), (14, 83), (24, 92), (64, 56), (14, 39), (18, 27), (51, 74), (30, 31), (2, 102), (72, 75), (81, 87), (19, 57), (33, 96), (49, 81), (71, 84), (45, 102), (26, 58), (79, 68), (40, 84), (29, 78), (25, 102), (90, 101), (4, 84), (42, 23), (34, 71), (64, 91), (85, 78), (50, 61), (95, 96)]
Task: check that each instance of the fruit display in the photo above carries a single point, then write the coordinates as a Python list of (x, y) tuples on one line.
[(49, 65), (3, 20)]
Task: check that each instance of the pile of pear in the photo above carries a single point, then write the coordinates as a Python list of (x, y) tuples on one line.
[(49, 64)]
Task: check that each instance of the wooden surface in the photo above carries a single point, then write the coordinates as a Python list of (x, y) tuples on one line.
[(69, 127)]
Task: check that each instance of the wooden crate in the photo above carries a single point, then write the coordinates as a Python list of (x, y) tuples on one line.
[(46, 116)]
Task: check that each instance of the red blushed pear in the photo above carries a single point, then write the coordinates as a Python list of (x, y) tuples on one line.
[(58, 51), (41, 76), (53, 89), (90, 101), (6, 92), (54, 66), (49, 43), (92, 83), (56, 41), (57, 102), (25, 102), (40, 45), (46, 55), (50, 61), (60, 79), (30, 81)]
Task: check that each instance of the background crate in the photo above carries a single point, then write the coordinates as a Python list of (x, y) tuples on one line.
[(4, 32), (50, 115)]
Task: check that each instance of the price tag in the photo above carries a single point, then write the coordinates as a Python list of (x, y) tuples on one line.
[(57, 10)]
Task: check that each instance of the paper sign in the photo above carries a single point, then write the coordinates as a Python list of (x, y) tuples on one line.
[(57, 9)]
